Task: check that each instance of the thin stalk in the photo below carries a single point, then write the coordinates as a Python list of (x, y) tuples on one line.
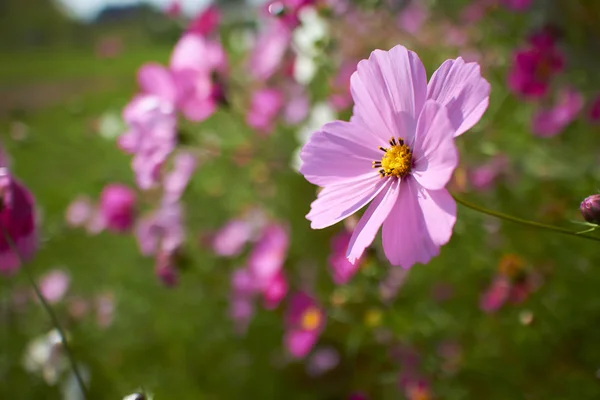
[(50, 313), (522, 221)]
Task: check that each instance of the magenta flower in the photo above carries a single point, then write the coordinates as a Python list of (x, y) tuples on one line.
[(264, 107), (517, 5), (552, 121), (151, 136), (205, 22), (535, 66), (342, 270), (17, 221), (165, 269), (117, 207), (496, 295), (54, 285), (229, 241), (305, 320), (176, 181), (275, 291), (397, 152), (594, 110), (268, 255), (268, 51)]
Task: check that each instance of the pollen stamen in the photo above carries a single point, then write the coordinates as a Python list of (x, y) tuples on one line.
[(397, 160)]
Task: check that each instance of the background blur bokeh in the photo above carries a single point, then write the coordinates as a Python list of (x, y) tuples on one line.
[(505, 312)]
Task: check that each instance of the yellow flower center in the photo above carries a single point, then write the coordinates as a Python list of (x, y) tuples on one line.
[(311, 319), (397, 160)]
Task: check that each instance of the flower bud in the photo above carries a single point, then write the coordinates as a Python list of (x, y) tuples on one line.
[(590, 209)]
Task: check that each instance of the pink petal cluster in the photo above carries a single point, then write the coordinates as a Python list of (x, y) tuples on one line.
[(17, 221), (265, 105), (263, 276), (54, 285), (551, 121), (118, 207), (534, 67), (286, 11), (342, 270), (394, 102), (190, 84), (205, 22), (161, 233), (269, 49), (304, 322), (517, 5)]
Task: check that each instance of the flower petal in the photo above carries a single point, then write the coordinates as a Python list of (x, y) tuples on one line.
[(420, 222), (337, 202), (460, 87), (369, 224), (434, 152), (157, 80), (190, 52), (338, 153), (389, 90), (300, 342)]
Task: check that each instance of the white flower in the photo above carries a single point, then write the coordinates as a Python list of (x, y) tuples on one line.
[(44, 356), (312, 30)]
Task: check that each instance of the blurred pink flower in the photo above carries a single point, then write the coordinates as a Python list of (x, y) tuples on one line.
[(412, 17), (552, 121), (176, 181), (79, 211), (297, 105), (265, 105), (476, 10), (117, 206), (323, 360), (105, 309), (517, 5), (54, 285), (594, 110), (342, 270), (229, 241), (286, 11), (173, 10), (275, 291), (269, 50), (205, 22), (268, 255), (534, 67), (165, 269), (496, 295), (483, 177), (304, 322), (161, 231), (17, 221), (340, 97), (151, 136), (405, 182)]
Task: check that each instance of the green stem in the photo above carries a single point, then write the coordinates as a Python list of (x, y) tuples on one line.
[(525, 222), (49, 311)]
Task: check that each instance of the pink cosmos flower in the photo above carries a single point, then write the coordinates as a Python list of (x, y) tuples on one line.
[(594, 110), (496, 295), (535, 66), (161, 231), (268, 255), (151, 136), (305, 320), (188, 83), (552, 121), (412, 17), (206, 22), (342, 270), (54, 285), (340, 97), (264, 107), (17, 220), (79, 211), (176, 181), (397, 152), (517, 5), (483, 177), (117, 207), (229, 241), (268, 51)]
